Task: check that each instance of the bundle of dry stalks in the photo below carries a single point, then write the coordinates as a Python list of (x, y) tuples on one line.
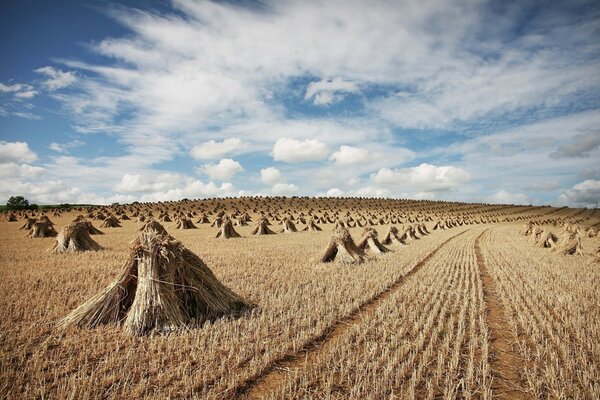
[(392, 237), (370, 244), (547, 239), (343, 249), (111, 222), (185, 223), (28, 224), (262, 228), (75, 237), (570, 245), (163, 287), (227, 231), (288, 226), (203, 219), (311, 226), (42, 229)]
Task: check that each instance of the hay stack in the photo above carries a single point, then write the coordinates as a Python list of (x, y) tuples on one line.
[(42, 229), (28, 224), (262, 228), (11, 218), (75, 237), (163, 286), (227, 231), (342, 249), (527, 228), (370, 244), (124, 217), (185, 223), (203, 219), (311, 226), (288, 226), (392, 237), (570, 245), (547, 240), (111, 222), (535, 234)]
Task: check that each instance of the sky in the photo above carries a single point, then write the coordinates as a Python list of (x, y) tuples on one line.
[(475, 101)]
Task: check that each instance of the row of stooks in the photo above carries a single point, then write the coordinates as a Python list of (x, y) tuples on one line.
[(45, 228), (163, 286), (569, 242)]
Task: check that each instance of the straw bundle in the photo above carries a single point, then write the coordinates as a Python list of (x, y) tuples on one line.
[(163, 287)]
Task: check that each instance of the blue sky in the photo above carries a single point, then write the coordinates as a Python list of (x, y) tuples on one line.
[(476, 101)]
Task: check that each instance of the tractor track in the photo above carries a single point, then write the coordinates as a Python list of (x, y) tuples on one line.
[(272, 376)]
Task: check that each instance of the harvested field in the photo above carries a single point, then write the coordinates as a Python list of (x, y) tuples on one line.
[(471, 310)]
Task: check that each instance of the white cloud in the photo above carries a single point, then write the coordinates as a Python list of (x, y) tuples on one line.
[(580, 145), (213, 150), (16, 152), (282, 189), (137, 183), (583, 194), (334, 192), (270, 175), (13, 170), (425, 177), (504, 197), (329, 91), (65, 147), (16, 87), (543, 186), (57, 79), (19, 90), (224, 170), (348, 155), (293, 151), (26, 94)]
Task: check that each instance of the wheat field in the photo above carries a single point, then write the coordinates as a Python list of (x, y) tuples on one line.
[(470, 308)]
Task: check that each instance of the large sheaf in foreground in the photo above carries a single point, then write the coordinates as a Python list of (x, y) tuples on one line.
[(163, 286)]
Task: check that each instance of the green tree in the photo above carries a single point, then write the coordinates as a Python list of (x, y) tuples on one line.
[(19, 203)]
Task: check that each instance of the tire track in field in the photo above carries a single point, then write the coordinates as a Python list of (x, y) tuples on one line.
[(261, 385), (505, 362)]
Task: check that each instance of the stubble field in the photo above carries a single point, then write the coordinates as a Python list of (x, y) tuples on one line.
[(472, 311)]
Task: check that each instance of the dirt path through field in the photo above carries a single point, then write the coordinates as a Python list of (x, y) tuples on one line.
[(505, 361), (259, 387)]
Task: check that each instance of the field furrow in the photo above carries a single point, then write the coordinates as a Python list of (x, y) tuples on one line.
[(553, 318), (275, 375), (425, 340)]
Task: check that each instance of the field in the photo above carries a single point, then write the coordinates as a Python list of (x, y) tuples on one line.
[(475, 310)]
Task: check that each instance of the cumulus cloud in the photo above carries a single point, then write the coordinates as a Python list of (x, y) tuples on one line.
[(13, 170), (224, 170), (334, 192), (270, 175), (348, 155), (294, 151), (16, 152), (163, 187), (580, 145), (283, 189), (138, 183), (329, 91), (213, 150), (425, 177), (583, 194), (504, 197), (57, 79)]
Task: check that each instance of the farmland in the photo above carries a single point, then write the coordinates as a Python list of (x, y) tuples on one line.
[(471, 308)]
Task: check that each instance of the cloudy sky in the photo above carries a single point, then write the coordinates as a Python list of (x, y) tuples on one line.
[(477, 101)]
